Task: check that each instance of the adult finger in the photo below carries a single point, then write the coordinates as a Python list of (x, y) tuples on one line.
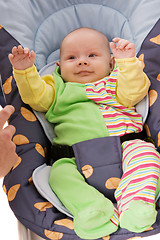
[(8, 132), (5, 113)]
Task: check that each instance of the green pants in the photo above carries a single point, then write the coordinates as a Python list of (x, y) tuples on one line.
[(91, 210)]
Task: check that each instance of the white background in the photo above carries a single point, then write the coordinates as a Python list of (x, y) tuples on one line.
[(8, 222)]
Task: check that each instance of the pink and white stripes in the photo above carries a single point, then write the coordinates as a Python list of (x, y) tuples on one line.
[(119, 120), (141, 167)]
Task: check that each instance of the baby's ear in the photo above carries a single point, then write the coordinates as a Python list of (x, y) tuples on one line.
[(58, 63), (112, 63)]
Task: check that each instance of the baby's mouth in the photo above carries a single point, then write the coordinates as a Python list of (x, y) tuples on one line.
[(84, 73)]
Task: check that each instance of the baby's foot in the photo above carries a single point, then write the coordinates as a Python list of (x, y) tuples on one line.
[(95, 224), (138, 217)]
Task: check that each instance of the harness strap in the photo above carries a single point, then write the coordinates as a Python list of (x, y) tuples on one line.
[(60, 151)]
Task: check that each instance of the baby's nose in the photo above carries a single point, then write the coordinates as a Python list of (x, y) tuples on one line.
[(83, 61)]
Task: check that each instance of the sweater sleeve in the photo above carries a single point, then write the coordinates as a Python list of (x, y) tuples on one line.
[(38, 92), (132, 83)]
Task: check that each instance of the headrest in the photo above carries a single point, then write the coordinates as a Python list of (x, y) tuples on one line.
[(42, 25), (54, 28)]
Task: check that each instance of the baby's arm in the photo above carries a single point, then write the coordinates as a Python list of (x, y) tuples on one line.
[(22, 58), (35, 90), (132, 82), (122, 48)]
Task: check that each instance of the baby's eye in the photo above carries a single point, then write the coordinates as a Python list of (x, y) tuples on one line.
[(92, 55), (72, 57)]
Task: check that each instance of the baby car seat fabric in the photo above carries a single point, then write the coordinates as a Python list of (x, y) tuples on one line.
[(30, 208), (28, 205), (150, 56)]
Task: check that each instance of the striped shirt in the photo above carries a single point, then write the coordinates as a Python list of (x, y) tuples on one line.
[(119, 120)]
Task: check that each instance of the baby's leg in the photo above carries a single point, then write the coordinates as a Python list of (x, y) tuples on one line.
[(136, 192), (94, 215)]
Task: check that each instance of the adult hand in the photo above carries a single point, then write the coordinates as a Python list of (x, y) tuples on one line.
[(8, 156)]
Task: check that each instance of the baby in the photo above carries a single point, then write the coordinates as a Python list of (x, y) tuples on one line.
[(88, 97)]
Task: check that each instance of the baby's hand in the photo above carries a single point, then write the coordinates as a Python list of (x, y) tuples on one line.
[(21, 58), (122, 48)]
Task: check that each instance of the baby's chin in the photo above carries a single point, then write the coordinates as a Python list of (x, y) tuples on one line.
[(84, 79), (89, 80)]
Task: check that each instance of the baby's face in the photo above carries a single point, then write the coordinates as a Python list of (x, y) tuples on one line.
[(85, 57)]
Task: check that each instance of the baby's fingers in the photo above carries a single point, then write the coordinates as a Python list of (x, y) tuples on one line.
[(130, 46), (10, 56), (19, 50), (113, 46), (22, 50), (116, 40), (14, 50), (122, 43), (32, 55), (26, 51)]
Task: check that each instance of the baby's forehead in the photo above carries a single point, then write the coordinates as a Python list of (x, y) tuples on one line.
[(85, 32), (82, 35)]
